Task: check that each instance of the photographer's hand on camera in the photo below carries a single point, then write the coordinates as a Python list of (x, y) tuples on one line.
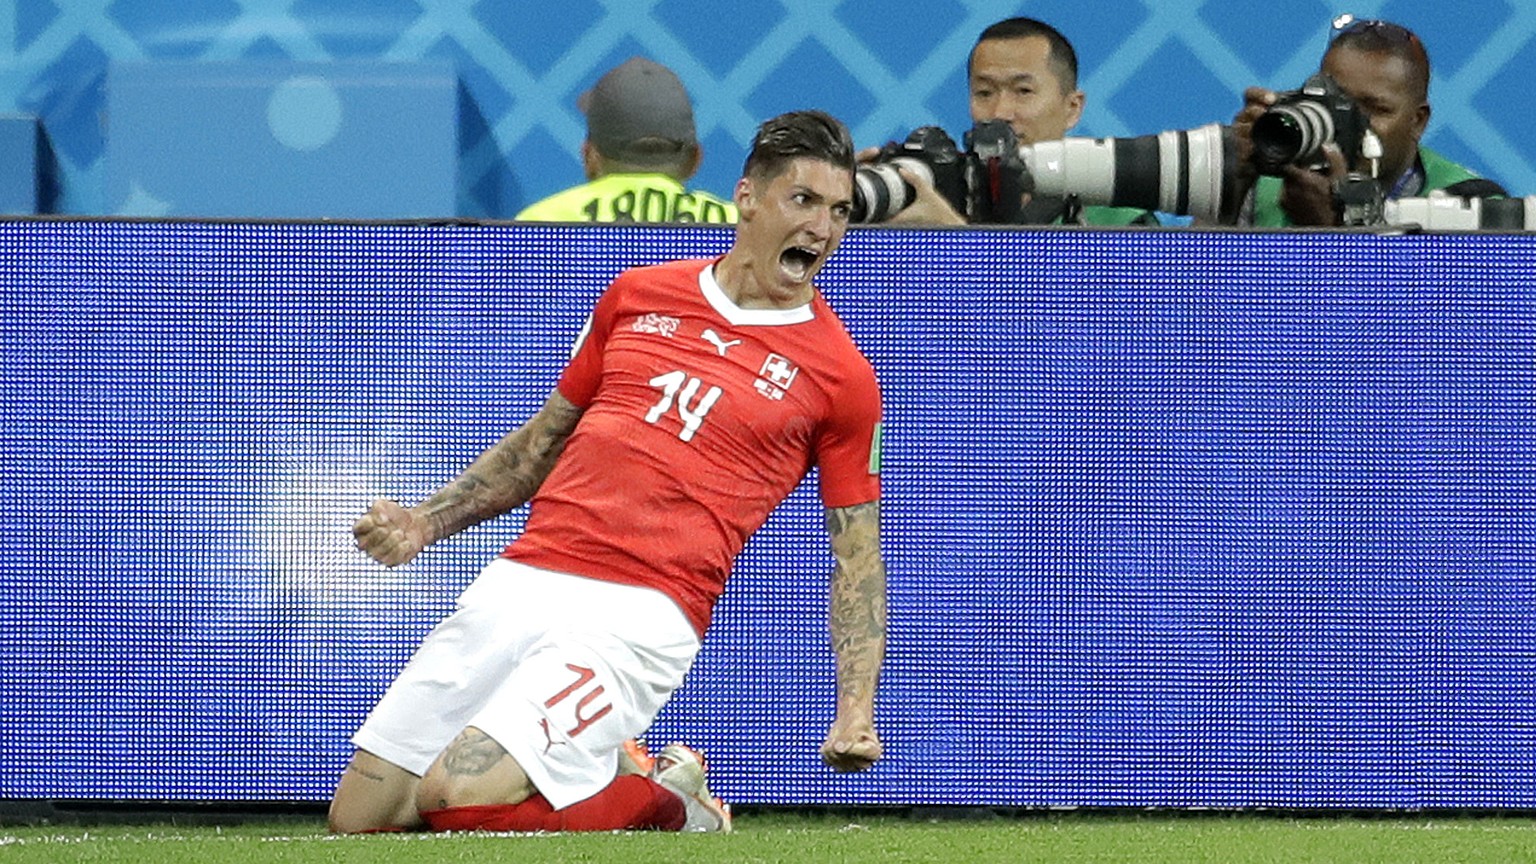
[(928, 207), (1307, 194), (1256, 101)]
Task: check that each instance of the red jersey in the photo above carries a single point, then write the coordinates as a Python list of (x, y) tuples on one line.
[(700, 417)]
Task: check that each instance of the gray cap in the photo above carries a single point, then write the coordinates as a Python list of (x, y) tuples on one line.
[(639, 112)]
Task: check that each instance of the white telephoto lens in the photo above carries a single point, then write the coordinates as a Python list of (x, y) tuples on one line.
[(917, 168), (1206, 172), (1072, 166), (1435, 213)]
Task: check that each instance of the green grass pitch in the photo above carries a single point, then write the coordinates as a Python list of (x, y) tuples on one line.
[(845, 838)]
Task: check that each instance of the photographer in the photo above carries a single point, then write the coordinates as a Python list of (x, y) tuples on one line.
[(1384, 68), (1024, 72)]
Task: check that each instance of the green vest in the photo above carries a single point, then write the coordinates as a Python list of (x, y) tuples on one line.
[(1439, 172), (1117, 216), (630, 198)]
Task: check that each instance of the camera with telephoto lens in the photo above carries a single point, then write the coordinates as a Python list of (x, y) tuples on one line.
[(985, 182), (1192, 173), (1441, 211), (880, 192), (1294, 129), (1186, 172), (996, 177)]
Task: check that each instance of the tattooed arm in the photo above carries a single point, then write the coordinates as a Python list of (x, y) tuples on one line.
[(858, 634), (500, 479)]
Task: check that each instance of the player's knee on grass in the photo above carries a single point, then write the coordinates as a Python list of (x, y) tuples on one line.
[(474, 770), (373, 795)]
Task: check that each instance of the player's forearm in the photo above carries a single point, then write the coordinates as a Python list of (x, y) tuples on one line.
[(505, 476), (858, 604), (471, 498), (858, 639)]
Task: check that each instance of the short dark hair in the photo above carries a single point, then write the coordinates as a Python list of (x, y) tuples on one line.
[(796, 135), (1394, 40), (1063, 57), (653, 156)]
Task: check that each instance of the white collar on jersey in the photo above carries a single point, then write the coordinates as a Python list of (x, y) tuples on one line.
[(739, 317)]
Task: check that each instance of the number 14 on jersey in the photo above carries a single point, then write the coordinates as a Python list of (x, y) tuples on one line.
[(681, 388)]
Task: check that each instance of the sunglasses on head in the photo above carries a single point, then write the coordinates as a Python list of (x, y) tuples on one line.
[(1349, 25)]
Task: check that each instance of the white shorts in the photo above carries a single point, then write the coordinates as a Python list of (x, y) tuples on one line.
[(559, 670)]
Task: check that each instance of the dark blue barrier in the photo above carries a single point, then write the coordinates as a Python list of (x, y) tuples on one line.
[(1173, 518)]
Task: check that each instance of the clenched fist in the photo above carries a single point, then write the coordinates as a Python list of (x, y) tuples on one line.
[(851, 744), (391, 534)]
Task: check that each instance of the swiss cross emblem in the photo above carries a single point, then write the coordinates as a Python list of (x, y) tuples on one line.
[(778, 371), (776, 376)]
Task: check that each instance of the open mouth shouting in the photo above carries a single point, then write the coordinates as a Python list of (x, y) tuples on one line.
[(799, 262)]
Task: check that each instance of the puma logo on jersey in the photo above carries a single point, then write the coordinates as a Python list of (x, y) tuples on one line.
[(714, 339), (549, 738)]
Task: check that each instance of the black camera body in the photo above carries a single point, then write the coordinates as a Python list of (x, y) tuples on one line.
[(1189, 172), (996, 178), (1294, 129), (985, 182), (879, 192)]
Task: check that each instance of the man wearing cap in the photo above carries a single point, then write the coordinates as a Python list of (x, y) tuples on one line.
[(640, 149)]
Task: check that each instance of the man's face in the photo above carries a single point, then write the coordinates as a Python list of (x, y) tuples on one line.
[(790, 224), (1013, 80), (1382, 85)]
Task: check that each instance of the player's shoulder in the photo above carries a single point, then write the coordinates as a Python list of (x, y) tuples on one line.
[(682, 270), (691, 267), (838, 347), (827, 315), (669, 279)]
